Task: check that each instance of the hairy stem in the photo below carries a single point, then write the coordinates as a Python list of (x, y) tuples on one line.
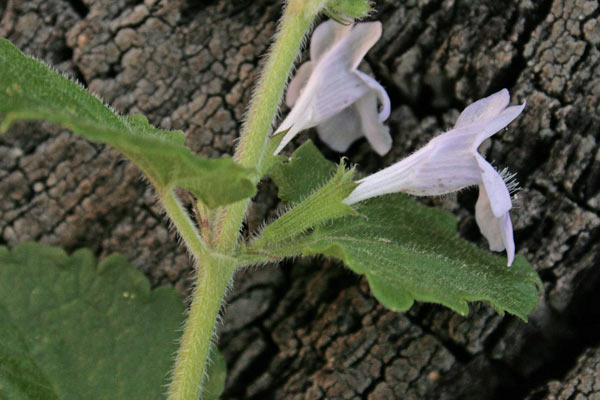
[(214, 271), (252, 149), (186, 228), (193, 354), (214, 274)]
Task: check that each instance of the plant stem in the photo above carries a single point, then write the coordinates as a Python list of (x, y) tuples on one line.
[(296, 20), (252, 149), (193, 354), (214, 272), (184, 224)]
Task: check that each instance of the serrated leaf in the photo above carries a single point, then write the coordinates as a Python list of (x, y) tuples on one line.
[(412, 252), (31, 90), (407, 255), (73, 328)]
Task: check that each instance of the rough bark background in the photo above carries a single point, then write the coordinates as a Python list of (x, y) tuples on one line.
[(310, 329)]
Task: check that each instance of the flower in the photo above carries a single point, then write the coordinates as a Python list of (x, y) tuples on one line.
[(450, 162), (330, 93)]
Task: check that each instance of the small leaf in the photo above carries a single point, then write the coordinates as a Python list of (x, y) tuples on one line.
[(217, 374), (306, 171), (344, 11), (73, 328), (30, 90), (324, 204), (407, 251)]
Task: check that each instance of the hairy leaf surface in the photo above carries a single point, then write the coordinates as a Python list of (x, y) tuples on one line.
[(30, 90), (406, 250), (72, 327)]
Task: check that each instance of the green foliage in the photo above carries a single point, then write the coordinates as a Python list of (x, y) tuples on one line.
[(345, 11), (306, 171), (217, 374), (324, 204), (30, 90), (73, 328), (409, 252), (20, 376)]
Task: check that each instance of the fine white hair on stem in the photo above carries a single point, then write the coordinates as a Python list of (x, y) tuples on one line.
[(255, 94)]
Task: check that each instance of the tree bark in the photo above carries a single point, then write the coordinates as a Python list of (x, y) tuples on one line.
[(311, 329)]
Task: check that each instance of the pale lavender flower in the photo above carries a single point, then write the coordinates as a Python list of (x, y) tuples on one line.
[(330, 93), (450, 162)]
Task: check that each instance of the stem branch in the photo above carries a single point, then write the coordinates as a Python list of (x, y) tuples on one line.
[(214, 270), (213, 277), (186, 228)]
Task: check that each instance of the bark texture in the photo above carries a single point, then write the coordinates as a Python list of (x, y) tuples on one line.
[(310, 329)]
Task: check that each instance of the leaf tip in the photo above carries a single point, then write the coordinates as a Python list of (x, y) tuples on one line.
[(346, 11)]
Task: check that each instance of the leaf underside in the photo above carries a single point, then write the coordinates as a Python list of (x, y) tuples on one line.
[(409, 251), (29, 90)]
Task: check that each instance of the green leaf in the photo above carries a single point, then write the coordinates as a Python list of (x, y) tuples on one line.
[(73, 328), (30, 90), (409, 252), (217, 373), (20, 376), (306, 171), (324, 204), (345, 11)]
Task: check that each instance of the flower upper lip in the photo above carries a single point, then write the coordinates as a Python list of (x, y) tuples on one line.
[(450, 162), (330, 93)]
